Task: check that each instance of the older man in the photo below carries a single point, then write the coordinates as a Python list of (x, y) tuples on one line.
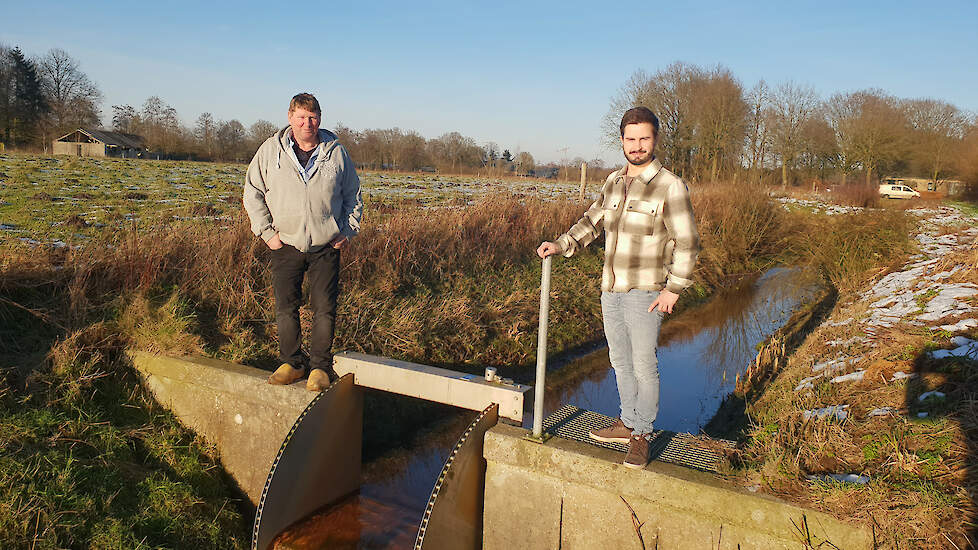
[(651, 244), (302, 195)]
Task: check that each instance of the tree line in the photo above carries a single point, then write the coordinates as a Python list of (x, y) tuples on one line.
[(42, 99), (713, 128)]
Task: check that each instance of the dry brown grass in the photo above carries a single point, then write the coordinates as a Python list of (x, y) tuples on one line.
[(922, 470), (741, 229), (854, 194), (443, 286)]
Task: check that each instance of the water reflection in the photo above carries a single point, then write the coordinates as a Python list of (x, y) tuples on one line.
[(394, 492), (700, 351)]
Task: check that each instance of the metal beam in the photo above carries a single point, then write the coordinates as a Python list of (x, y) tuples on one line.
[(458, 389)]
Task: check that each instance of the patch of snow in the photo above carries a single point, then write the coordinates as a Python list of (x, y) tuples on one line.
[(963, 324), (900, 375), (944, 274), (848, 342), (966, 348), (839, 412), (882, 411), (832, 365), (962, 341), (923, 263), (808, 383), (946, 302), (935, 394), (851, 377)]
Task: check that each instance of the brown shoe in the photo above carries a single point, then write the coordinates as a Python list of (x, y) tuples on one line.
[(615, 433), (318, 380), (285, 375), (638, 452)]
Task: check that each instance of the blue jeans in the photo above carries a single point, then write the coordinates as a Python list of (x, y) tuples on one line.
[(633, 333)]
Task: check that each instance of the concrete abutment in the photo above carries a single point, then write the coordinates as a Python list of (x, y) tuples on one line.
[(571, 495)]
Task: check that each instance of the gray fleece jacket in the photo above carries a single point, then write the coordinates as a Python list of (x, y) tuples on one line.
[(305, 215)]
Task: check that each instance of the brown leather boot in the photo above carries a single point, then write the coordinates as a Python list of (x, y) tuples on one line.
[(318, 380), (285, 375), (638, 452), (615, 433)]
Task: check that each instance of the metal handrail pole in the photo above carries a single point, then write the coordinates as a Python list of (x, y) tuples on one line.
[(542, 348)]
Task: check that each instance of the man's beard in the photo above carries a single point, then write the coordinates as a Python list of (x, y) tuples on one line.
[(641, 160)]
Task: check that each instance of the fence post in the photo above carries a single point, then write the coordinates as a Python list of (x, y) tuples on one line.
[(580, 197)]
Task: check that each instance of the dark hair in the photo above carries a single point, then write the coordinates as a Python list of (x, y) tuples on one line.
[(307, 102), (638, 115)]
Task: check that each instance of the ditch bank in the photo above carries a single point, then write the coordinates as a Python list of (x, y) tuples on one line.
[(872, 416)]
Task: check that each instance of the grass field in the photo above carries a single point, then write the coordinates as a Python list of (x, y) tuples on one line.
[(68, 199)]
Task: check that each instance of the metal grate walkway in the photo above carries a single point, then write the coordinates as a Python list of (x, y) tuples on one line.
[(700, 453)]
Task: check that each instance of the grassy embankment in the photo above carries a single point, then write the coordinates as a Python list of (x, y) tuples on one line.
[(87, 458), (919, 456)]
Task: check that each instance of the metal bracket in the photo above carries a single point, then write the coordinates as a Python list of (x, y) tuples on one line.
[(544, 436)]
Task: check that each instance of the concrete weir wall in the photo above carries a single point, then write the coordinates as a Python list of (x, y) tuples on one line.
[(231, 405), (570, 495)]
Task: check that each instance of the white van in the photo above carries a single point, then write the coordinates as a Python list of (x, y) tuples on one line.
[(893, 191)]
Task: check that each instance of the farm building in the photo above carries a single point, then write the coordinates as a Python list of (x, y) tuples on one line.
[(87, 142)]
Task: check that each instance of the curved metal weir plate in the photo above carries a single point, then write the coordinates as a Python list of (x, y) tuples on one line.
[(318, 463), (453, 517)]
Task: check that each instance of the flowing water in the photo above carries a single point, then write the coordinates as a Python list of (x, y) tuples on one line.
[(700, 353)]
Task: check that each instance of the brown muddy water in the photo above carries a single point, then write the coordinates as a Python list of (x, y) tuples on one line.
[(700, 353)]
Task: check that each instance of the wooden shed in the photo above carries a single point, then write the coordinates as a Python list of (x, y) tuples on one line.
[(88, 142)]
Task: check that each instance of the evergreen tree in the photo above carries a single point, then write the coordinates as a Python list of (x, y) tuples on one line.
[(27, 105), (6, 92)]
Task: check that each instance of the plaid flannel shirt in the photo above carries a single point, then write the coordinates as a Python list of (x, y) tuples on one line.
[(651, 240)]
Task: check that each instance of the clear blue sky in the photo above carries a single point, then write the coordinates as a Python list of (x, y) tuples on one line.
[(531, 75)]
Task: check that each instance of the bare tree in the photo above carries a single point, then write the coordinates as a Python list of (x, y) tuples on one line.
[(966, 163), (819, 152), (452, 147), (668, 93), (390, 139), (717, 111), (170, 129), (758, 128), (490, 155), (413, 151), (125, 119), (230, 139), (206, 134), (73, 98), (870, 129), (259, 132), (523, 162), (938, 127), (792, 106)]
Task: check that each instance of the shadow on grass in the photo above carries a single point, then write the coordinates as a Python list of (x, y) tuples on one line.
[(942, 392)]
